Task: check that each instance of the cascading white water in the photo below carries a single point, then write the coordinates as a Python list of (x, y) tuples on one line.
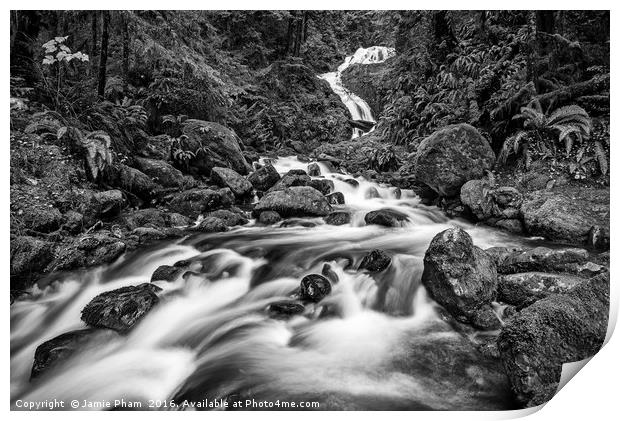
[(376, 342), (358, 108)]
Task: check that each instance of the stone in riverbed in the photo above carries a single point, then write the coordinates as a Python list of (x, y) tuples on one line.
[(523, 289), (315, 287), (225, 177), (54, 351), (372, 193), (196, 201), (386, 217), (294, 201), (264, 178), (122, 308), (336, 198), (167, 273), (338, 218), (285, 309), (230, 218), (322, 185), (376, 261), (269, 217), (88, 250), (294, 178), (314, 170), (211, 224), (458, 275), (558, 329), (450, 157)]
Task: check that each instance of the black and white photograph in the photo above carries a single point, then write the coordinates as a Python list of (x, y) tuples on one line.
[(306, 210)]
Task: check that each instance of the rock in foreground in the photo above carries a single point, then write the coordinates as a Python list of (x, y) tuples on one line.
[(535, 343), (460, 276)]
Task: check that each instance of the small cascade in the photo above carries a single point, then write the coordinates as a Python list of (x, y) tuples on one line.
[(358, 108)]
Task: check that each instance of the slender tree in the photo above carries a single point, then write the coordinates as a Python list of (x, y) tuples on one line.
[(103, 56), (125, 24)]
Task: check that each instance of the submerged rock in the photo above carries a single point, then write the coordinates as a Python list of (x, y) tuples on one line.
[(285, 309), (122, 308), (458, 275), (450, 157), (264, 178), (558, 329), (372, 193), (329, 273), (54, 351), (376, 261), (386, 217), (225, 177), (315, 287), (294, 201)]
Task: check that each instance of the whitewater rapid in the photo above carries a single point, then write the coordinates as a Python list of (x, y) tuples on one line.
[(376, 342)]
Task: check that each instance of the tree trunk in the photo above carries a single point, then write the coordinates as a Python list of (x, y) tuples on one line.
[(125, 50), (103, 56), (94, 29), (298, 31), (289, 34), (545, 21)]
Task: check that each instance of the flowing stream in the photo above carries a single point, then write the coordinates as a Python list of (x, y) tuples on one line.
[(376, 342)]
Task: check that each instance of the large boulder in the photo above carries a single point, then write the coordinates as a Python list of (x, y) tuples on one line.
[(264, 178), (294, 201), (222, 144), (568, 214), (194, 202), (161, 172), (559, 329), (460, 276), (450, 157), (225, 177), (52, 353), (122, 308)]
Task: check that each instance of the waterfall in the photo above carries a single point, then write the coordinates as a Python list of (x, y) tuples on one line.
[(358, 108)]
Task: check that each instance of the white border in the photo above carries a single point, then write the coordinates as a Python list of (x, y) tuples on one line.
[(592, 394)]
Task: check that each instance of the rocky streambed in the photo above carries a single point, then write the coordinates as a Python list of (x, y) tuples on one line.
[(327, 277)]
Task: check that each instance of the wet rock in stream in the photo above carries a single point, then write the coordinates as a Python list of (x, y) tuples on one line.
[(122, 308), (376, 261), (315, 287)]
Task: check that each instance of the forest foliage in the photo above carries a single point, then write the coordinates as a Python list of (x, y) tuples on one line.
[(530, 81)]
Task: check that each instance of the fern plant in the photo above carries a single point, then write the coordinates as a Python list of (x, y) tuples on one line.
[(98, 155), (566, 125)]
